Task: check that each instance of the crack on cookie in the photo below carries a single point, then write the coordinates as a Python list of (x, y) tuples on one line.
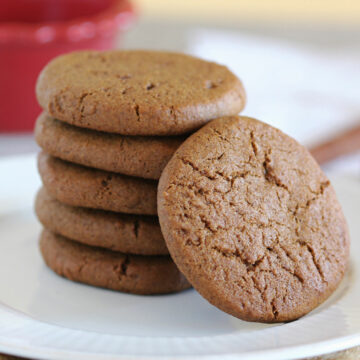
[(121, 269), (55, 106), (137, 112), (316, 263), (236, 254), (226, 253), (231, 178), (286, 269), (125, 265), (253, 144), (255, 265), (270, 174), (274, 309), (323, 186), (257, 287), (221, 137), (81, 105), (207, 224), (242, 285), (292, 272), (195, 168)]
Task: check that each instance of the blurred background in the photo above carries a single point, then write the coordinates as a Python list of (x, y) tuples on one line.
[(299, 60)]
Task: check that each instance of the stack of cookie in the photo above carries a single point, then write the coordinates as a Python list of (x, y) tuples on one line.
[(111, 122)]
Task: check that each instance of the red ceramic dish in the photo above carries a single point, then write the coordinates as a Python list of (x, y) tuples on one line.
[(34, 31)]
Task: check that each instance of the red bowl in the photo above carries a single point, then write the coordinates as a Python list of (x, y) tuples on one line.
[(34, 31)]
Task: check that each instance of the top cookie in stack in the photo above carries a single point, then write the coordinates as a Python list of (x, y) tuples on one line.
[(138, 92), (111, 122)]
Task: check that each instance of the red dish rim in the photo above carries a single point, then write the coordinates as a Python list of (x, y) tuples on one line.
[(118, 15)]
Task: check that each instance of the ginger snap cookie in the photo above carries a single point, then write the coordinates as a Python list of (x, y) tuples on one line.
[(252, 221), (138, 92), (145, 275), (81, 186), (138, 156), (131, 234)]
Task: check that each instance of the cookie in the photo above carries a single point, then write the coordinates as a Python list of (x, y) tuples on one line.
[(138, 92), (252, 221), (138, 156), (81, 186), (145, 275), (130, 234)]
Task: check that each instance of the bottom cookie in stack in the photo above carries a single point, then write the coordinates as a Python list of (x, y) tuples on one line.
[(136, 274)]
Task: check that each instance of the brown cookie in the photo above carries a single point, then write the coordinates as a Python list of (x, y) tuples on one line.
[(130, 234), (145, 275), (81, 186), (130, 155), (138, 92), (252, 221)]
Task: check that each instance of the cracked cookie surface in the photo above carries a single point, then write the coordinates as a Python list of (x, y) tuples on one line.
[(145, 275), (138, 92), (252, 221), (78, 185), (140, 156), (130, 234)]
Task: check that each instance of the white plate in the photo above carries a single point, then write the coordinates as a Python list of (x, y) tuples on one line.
[(47, 317)]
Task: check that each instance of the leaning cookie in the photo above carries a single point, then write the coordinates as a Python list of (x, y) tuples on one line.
[(145, 275), (138, 92), (138, 156), (252, 221), (85, 187), (130, 234)]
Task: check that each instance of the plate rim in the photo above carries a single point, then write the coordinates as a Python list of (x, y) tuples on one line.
[(282, 353)]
